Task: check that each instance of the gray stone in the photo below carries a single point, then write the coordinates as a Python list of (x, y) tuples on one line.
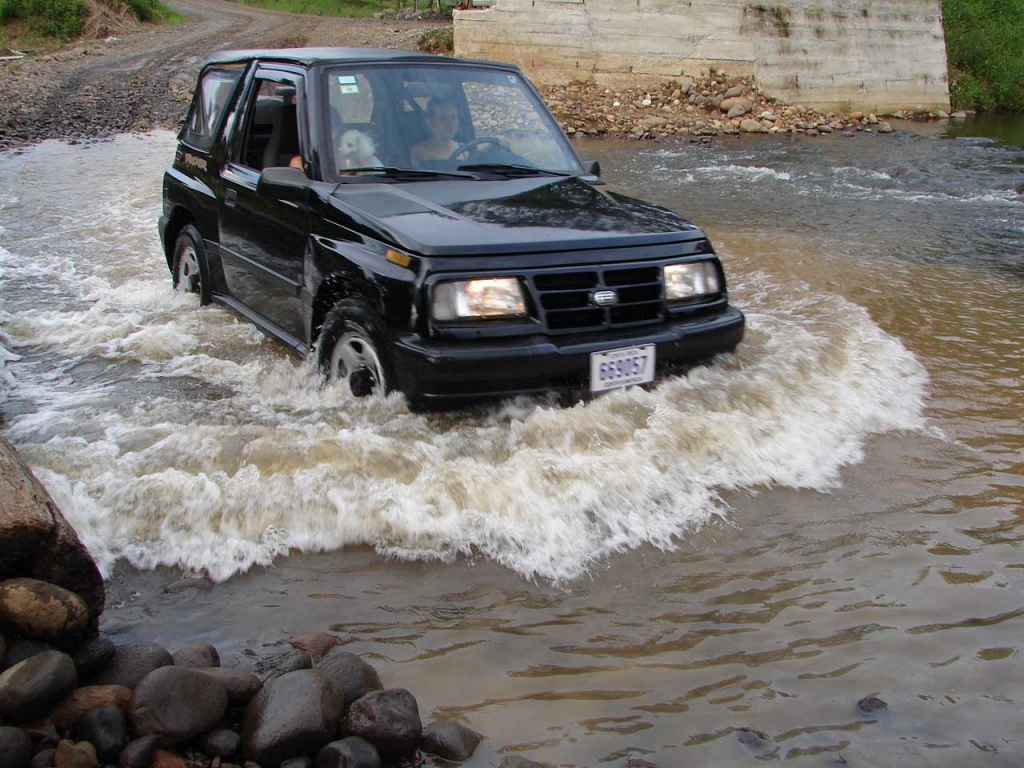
[(43, 758), (92, 655), (297, 762), (295, 714), (221, 743), (138, 753), (737, 110), (241, 686), (350, 752), (872, 705), (198, 656), (131, 663), (106, 728), (43, 611), (736, 90), (282, 663), (33, 687), (451, 741), (355, 677), (15, 748), (751, 126), (959, 115), (177, 704), (884, 127), (22, 649), (388, 719), (728, 104), (518, 761), (35, 539)]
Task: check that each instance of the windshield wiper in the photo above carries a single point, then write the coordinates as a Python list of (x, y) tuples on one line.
[(392, 172), (511, 169)]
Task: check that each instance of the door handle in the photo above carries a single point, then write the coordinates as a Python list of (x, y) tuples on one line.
[(231, 198)]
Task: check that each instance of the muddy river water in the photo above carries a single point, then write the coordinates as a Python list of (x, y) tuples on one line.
[(712, 572)]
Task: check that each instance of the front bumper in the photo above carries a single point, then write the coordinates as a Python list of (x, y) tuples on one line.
[(432, 372)]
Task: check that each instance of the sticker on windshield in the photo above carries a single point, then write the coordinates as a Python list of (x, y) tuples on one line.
[(346, 79), (350, 89)]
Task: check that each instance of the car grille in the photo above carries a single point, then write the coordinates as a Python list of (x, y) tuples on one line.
[(563, 298)]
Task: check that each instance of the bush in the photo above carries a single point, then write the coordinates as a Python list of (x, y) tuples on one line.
[(61, 19), (985, 48), (147, 10), (437, 41)]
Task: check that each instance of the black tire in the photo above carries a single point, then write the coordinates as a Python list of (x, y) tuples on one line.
[(353, 347), (189, 270)]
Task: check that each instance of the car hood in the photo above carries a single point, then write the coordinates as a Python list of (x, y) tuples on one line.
[(520, 215)]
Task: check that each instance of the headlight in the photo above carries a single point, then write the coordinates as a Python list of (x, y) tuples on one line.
[(687, 281), (468, 299)]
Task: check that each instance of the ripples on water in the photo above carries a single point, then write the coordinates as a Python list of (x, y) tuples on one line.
[(173, 435)]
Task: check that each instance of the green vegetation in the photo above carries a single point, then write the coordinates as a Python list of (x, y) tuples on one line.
[(345, 8), (153, 11), (59, 19), (437, 41), (41, 23), (985, 47)]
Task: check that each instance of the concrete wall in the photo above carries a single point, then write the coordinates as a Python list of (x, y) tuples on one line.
[(877, 55)]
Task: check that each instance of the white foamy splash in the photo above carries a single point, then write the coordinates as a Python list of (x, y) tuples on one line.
[(173, 435)]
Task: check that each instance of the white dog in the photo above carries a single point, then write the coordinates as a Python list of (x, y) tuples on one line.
[(356, 150)]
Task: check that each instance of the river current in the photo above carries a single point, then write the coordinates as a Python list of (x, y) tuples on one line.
[(709, 572)]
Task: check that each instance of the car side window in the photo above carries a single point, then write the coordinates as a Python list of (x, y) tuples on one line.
[(271, 136), (209, 104)]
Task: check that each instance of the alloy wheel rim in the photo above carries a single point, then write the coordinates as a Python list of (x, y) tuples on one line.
[(353, 353), (188, 270)]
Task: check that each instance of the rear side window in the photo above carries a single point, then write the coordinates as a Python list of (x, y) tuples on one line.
[(209, 105)]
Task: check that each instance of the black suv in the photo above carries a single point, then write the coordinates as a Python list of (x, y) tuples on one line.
[(423, 224)]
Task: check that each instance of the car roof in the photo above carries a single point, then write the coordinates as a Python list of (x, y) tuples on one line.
[(311, 56)]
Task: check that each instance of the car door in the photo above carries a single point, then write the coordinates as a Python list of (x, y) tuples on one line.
[(263, 239)]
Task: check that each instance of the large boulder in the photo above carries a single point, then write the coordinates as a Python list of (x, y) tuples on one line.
[(92, 655), (15, 747), (131, 663), (198, 656), (388, 719), (350, 752), (241, 686), (450, 741), (43, 611), (177, 704), (355, 677), (293, 715), (32, 688), (106, 728), (37, 542), (81, 700)]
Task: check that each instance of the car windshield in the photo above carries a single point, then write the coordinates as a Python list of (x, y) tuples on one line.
[(439, 117)]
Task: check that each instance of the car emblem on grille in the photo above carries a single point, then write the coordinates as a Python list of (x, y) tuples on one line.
[(604, 298)]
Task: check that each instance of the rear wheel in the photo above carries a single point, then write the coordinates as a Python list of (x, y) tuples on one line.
[(353, 350), (189, 270)]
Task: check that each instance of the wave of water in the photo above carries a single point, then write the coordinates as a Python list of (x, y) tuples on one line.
[(174, 435)]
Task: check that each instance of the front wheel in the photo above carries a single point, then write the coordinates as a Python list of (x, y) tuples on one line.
[(189, 270), (353, 350)]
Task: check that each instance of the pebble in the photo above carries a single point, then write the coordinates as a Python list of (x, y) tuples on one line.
[(388, 719), (33, 687), (15, 747), (72, 754), (177, 704), (200, 655), (450, 741), (131, 663)]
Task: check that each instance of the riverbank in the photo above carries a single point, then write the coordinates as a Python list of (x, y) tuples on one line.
[(143, 80)]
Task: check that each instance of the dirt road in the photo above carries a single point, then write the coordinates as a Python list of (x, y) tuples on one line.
[(143, 79)]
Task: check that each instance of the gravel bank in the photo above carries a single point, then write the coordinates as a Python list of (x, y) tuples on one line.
[(143, 80)]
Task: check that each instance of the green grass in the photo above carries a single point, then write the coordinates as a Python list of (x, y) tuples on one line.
[(349, 8), (56, 19), (437, 41), (985, 47), (343, 8), (154, 11)]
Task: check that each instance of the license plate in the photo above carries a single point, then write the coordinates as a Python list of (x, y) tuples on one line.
[(621, 367)]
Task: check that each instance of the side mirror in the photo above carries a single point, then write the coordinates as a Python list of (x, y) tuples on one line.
[(283, 184), (592, 167)]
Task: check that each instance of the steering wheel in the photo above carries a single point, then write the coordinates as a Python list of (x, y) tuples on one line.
[(473, 144)]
